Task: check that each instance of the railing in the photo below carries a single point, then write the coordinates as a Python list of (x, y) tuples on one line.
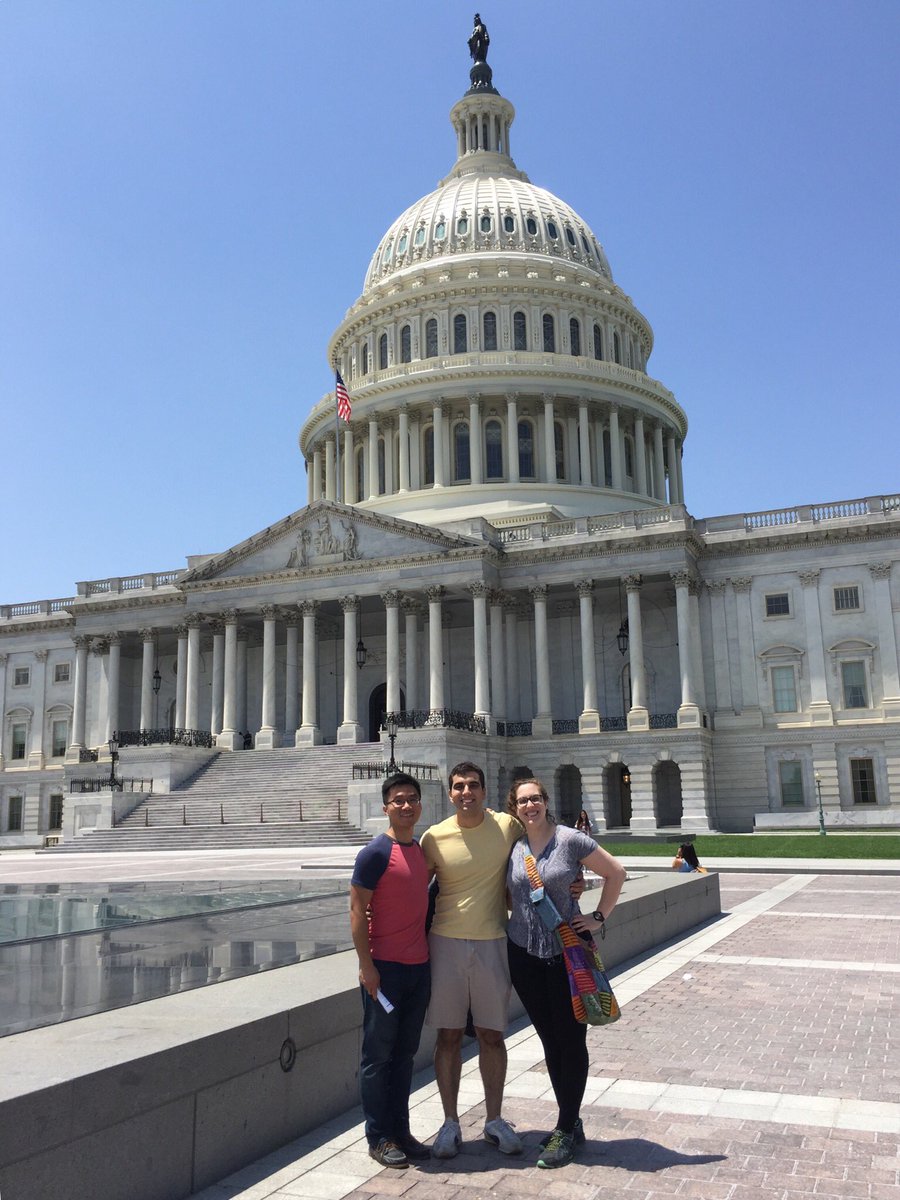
[(86, 756), (613, 724), (115, 785), (663, 720), (438, 718), (164, 816), (379, 770), (514, 728), (166, 737), (567, 725)]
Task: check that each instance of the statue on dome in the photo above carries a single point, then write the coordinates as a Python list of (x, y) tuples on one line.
[(479, 41)]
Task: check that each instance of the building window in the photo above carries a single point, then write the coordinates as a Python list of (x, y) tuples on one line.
[(559, 446), (401, 245), (428, 456), (509, 224), (598, 342), (570, 236), (19, 733), (460, 341), (790, 775), (420, 236), (778, 604), (462, 226), (526, 450), (490, 331), (382, 352), (405, 344), (549, 334), (360, 475), (493, 450), (461, 467), (784, 689), (575, 337), (365, 358), (56, 812), (431, 347), (22, 677), (62, 672), (862, 779), (531, 226), (520, 331), (617, 347), (607, 459), (440, 231), (14, 814), (846, 599), (486, 223), (59, 738), (552, 230), (853, 681)]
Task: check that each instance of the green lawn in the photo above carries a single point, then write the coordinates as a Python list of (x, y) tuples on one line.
[(764, 845)]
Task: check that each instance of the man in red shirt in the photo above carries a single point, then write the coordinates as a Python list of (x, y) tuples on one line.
[(388, 905)]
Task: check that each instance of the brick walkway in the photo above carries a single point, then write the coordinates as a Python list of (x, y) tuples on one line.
[(756, 1060)]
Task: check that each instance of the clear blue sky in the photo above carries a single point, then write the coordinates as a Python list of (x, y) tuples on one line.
[(190, 192)]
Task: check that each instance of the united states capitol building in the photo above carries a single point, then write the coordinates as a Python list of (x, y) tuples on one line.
[(496, 549)]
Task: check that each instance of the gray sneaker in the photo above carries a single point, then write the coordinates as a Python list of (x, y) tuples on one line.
[(446, 1144), (503, 1136)]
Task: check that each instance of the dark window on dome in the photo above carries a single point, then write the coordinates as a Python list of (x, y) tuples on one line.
[(509, 224), (490, 331), (549, 334), (531, 226), (598, 342), (552, 230), (575, 336), (428, 456), (460, 341), (520, 331), (401, 245), (584, 243), (405, 344), (382, 352), (526, 450), (570, 236), (440, 231), (365, 358), (462, 470), (462, 225), (559, 447), (388, 250), (486, 224), (431, 345), (493, 450), (617, 348), (420, 237)]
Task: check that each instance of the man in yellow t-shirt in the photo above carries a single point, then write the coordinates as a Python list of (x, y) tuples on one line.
[(469, 970)]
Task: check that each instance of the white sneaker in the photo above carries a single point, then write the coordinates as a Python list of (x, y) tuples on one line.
[(446, 1144), (501, 1133)]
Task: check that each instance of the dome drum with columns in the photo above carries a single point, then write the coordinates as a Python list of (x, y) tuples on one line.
[(497, 551)]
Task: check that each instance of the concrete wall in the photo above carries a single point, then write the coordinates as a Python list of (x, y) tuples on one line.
[(159, 1099)]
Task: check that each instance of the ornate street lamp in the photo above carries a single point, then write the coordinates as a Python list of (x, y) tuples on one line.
[(822, 829), (391, 726), (114, 783)]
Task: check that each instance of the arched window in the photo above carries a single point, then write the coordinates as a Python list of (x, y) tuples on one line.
[(490, 331), (559, 446), (462, 226), (575, 336), (552, 230), (509, 224), (460, 341), (381, 471), (428, 457), (431, 347), (382, 353), (526, 450), (493, 450), (365, 358), (405, 344), (420, 236), (462, 470), (531, 226), (570, 236), (549, 334), (598, 342), (486, 223), (617, 347), (360, 474), (520, 331)]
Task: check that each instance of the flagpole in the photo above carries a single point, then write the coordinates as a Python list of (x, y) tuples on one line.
[(339, 481)]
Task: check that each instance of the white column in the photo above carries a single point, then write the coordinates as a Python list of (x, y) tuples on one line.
[(640, 457), (411, 631), (584, 444), (435, 649), (350, 731), (316, 475), (589, 720), (721, 665), (192, 681), (228, 735), (372, 441), (438, 427), (512, 439), (688, 712), (79, 707), (309, 733), (181, 677), (674, 498), (513, 694), (679, 477), (392, 650), (480, 647), (747, 692), (615, 448), (638, 716), (268, 736), (498, 658), (820, 709), (291, 678), (403, 420), (476, 441), (39, 691), (329, 468), (542, 724), (148, 662), (887, 639), (549, 440), (659, 468)]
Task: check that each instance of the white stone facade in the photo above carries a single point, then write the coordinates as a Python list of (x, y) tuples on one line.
[(504, 507)]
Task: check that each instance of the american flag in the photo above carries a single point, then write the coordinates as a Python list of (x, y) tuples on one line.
[(342, 396)]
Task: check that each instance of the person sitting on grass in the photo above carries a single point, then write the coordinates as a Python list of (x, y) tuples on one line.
[(686, 860)]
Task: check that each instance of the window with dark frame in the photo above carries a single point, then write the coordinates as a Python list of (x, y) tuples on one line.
[(778, 604), (862, 780)]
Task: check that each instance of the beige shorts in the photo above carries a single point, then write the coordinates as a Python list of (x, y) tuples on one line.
[(468, 974)]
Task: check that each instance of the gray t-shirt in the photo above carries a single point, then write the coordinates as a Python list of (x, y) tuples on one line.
[(557, 865)]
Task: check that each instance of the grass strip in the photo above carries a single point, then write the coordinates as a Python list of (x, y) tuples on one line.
[(762, 845)]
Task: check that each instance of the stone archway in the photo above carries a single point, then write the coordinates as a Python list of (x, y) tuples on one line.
[(667, 799), (618, 796), (568, 794), (377, 702)]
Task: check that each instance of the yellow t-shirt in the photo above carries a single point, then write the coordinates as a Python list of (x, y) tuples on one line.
[(470, 865)]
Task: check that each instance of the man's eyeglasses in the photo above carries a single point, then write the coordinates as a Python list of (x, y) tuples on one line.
[(403, 801), (523, 800)]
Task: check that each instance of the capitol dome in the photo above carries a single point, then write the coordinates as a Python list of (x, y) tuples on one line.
[(494, 367)]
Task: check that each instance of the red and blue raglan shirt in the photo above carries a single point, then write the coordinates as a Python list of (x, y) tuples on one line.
[(397, 877)]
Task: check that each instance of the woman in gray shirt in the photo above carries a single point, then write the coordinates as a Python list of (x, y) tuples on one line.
[(535, 959)]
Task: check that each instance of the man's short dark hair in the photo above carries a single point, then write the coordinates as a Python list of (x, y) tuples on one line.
[(465, 768), (396, 780)]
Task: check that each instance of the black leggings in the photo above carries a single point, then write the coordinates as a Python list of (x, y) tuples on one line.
[(543, 988)]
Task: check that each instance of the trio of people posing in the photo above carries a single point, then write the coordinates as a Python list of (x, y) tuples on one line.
[(473, 954)]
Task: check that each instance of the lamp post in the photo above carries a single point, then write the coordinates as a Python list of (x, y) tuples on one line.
[(114, 784), (390, 725), (822, 829)]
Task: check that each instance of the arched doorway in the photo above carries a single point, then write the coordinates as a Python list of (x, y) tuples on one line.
[(618, 796), (667, 794), (568, 794), (377, 702)]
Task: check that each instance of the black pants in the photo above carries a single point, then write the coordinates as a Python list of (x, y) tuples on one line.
[(543, 988)]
